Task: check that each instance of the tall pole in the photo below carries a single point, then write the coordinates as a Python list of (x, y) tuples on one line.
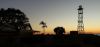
[(80, 26), (44, 30)]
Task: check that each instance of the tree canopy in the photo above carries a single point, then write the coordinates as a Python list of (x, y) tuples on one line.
[(59, 30), (14, 18)]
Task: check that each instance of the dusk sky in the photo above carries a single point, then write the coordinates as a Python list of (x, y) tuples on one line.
[(58, 13)]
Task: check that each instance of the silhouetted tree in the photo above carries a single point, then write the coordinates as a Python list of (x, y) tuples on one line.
[(14, 18), (59, 30), (43, 25)]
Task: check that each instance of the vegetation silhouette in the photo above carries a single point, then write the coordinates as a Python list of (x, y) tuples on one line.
[(43, 26), (14, 19), (13, 24), (59, 30)]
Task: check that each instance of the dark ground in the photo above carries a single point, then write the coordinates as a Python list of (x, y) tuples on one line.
[(79, 40)]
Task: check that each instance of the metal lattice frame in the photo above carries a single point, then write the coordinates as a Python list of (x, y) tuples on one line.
[(80, 26)]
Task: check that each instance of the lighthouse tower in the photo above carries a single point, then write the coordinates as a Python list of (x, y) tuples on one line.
[(80, 26)]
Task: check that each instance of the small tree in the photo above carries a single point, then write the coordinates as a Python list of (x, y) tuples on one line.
[(59, 30), (43, 25)]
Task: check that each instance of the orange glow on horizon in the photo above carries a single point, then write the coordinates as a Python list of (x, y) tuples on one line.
[(87, 30)]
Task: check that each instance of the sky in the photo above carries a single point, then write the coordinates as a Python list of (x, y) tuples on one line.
[(56, 13)]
